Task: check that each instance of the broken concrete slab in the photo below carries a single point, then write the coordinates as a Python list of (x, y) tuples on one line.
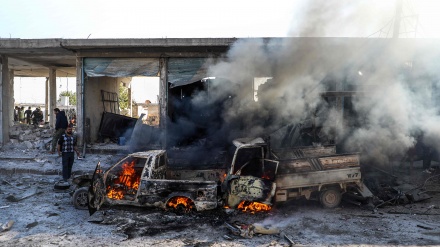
[(14, 141), (8, 225), (28, 144)]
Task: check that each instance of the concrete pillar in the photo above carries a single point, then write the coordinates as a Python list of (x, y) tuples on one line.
[(52, 95), (163, 99), (80, 117), (11, 97), (130, 101), (46, 101), (4, 100)]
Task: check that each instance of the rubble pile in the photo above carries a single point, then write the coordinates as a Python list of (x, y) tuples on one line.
[(34, 137)]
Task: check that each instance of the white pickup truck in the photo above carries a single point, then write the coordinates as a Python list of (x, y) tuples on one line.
[(285, 174)]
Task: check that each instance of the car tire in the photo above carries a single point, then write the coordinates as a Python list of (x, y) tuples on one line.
[(330, 198), (61, 186), (79, 198)]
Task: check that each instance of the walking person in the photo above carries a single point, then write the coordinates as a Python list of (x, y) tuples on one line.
[(66, 149), (21, 114), (16, 109), (60, 126), (28, 115)]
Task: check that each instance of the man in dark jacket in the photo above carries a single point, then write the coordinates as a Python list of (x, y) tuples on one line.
[(60, 126), (28, 115)]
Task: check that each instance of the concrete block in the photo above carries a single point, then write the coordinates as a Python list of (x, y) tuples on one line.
[(14, 133), (21, 138), (29, 137), (28, 131), (28, 144), (40, 145), (38, 134), (14, 141)]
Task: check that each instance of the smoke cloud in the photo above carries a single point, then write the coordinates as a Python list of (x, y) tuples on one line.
[(395, 84), (395, 101)]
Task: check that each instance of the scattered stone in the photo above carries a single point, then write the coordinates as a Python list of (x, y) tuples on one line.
[(52, 214), (14, 141), (7, 226), (30, 225), (28, 144)]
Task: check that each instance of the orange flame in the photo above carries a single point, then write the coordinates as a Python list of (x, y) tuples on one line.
[(180, 201), (128, 179), (253, 207)]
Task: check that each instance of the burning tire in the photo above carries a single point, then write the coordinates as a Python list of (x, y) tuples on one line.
[(181, 204), (79, 198), (330, 198)]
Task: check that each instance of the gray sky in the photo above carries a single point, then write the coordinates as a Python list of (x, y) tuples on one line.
[(203, 18)]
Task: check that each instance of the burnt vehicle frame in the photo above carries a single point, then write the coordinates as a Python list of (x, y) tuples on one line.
[(153, 184)]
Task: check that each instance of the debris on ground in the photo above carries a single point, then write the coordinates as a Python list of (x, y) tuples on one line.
[(25, 195), (291, 243), (7, 226), (248, 231)]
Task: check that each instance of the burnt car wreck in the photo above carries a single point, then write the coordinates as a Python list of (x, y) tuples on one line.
[(296, 161), (145, 179), (255, 178)]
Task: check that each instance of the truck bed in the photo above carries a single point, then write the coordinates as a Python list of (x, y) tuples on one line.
[(336, 161), (302, 152), (316, 178), (306, 172)]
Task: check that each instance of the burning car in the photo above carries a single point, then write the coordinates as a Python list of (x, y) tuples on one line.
[(145, 179)]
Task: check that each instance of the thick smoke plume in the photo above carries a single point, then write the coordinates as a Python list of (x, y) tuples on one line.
[(395, 84), (394, 103)]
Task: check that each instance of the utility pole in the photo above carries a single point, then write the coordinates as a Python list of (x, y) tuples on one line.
[(397, 19)]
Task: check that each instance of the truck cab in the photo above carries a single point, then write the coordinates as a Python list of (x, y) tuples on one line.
[(250, 177)]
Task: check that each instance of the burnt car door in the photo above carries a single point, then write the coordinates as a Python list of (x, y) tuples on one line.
[(96, 195), (251, 177)]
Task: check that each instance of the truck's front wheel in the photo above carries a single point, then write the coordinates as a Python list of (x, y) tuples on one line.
[(330, 198)]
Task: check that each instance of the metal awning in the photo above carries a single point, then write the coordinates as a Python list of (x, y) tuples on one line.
[(121, 67)]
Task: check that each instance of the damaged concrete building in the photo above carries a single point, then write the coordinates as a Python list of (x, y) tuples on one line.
[(100, 65)]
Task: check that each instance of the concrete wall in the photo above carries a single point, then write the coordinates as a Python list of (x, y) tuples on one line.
[(93, 101)]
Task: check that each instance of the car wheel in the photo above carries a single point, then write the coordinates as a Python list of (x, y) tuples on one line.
[(79, 198), (61, 186), (330, 198)]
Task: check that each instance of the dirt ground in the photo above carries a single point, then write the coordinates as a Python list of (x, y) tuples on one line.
[(48, 218)]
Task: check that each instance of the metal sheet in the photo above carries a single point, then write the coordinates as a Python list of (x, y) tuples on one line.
[(121, 67), (182, 71), (115, 125)]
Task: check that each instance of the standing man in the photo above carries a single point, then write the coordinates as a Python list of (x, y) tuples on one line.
[(66, 147), (21, 114), (16, 109), (60, 127), (28, 115)]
